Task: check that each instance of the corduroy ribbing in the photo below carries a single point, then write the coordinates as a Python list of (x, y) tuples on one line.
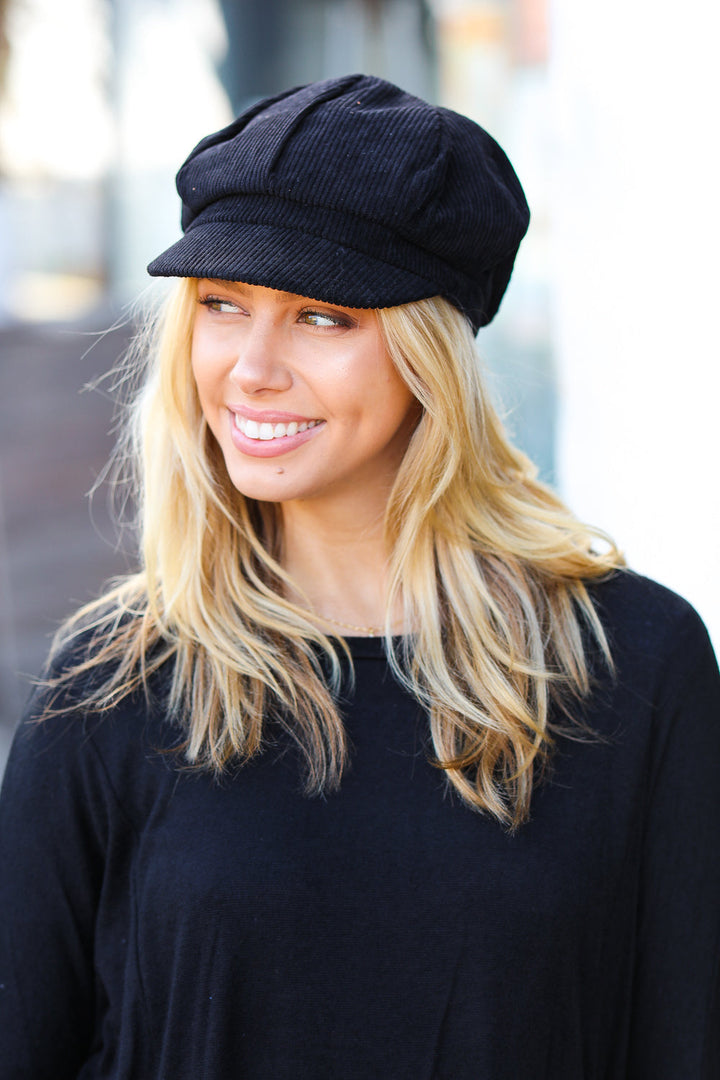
[(354, 192)]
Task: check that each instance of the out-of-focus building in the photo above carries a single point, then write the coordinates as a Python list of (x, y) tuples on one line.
[(492, 58)]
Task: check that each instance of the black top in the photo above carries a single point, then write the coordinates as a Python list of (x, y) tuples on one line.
[(156, 923)]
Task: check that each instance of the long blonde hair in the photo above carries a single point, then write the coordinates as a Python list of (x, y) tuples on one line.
[(490, 568)]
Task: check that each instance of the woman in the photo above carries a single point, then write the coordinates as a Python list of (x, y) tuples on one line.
[(377, 768)]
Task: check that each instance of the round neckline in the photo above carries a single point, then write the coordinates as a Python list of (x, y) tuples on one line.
[(373, 647)]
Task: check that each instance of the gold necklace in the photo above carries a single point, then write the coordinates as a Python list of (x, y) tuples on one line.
[(367, 631)]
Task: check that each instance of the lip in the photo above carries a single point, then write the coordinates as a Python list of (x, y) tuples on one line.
[(269, 416), (271, 448)]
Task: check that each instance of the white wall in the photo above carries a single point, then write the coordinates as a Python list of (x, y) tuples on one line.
[(635, 86)]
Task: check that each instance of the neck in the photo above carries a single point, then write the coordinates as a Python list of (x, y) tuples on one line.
[(339, 564)]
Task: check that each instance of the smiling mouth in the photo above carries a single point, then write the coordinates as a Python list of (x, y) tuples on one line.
[(266, 432)]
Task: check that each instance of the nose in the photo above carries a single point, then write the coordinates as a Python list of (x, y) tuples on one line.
[(261, 363)]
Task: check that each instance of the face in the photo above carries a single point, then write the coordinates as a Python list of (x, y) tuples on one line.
[(301, 396)]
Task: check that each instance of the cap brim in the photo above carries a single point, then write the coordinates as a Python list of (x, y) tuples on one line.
[(292, 261)]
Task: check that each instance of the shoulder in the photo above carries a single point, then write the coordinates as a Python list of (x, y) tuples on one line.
[(660, 647), (65, 738), (98, 663), (646, 618)]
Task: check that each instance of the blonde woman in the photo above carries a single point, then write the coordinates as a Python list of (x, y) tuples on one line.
[(382, 765)]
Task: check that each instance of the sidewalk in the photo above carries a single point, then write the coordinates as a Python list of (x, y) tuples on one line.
[(54, 441)]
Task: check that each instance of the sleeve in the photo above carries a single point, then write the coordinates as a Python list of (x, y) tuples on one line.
[(53, 829), (676, 1015)]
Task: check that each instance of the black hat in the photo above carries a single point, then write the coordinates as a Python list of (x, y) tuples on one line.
[(353, 192)]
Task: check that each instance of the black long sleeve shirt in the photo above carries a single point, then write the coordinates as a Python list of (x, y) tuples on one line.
[(156, 923)]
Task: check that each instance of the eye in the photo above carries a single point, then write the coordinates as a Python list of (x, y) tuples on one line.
[(325, 318), (216, 303)]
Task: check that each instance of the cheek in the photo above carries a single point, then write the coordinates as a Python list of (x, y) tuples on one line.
[(372, 378), (208, 374), (400, 402)]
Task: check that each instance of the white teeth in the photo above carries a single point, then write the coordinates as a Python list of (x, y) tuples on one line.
[(265, 431)]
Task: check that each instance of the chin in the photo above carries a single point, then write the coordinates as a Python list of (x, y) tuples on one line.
[(272, 489), (273, 483)]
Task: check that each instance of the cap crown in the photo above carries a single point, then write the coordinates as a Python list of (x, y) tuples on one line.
[(360, 162)]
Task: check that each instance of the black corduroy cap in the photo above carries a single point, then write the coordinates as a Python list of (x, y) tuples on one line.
[(353, 192)]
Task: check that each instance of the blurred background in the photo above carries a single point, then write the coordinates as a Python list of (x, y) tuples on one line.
[(604, 356)]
